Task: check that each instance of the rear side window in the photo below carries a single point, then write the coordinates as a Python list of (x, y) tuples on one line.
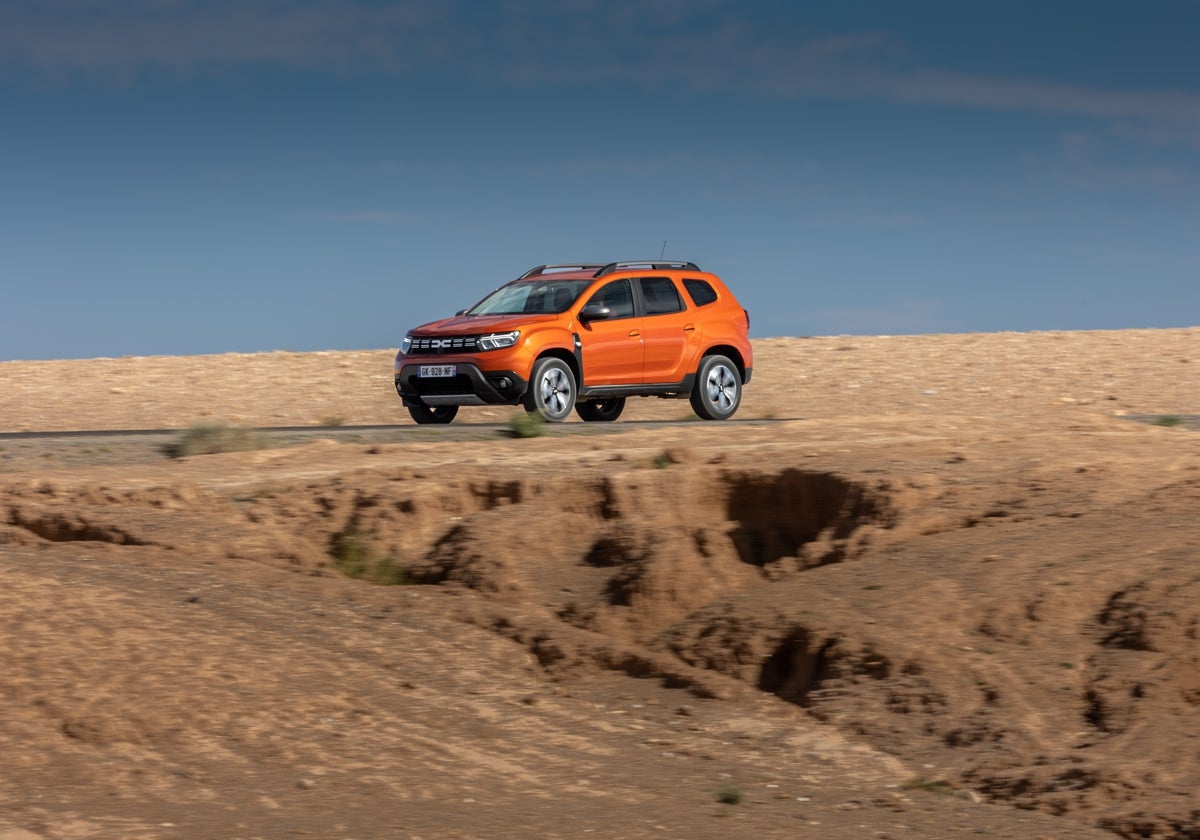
[(699, 291), (660, 295)]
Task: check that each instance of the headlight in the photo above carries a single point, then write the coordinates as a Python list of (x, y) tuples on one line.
[(495, 341), (406, 344)]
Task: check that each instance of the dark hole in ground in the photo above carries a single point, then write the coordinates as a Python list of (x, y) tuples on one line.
[(778, 514), (797, 667)]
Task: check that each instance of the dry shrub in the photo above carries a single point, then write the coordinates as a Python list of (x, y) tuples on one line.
[(215, 438)]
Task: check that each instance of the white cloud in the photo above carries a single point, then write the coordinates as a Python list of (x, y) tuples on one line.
[(947, 88), (121, 39)]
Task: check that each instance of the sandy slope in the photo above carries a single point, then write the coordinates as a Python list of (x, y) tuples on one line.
[(1010, 374), (938, 578)]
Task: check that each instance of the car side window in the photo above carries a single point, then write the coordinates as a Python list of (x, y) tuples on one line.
[(660, 295), (617, 296), (699, 291)]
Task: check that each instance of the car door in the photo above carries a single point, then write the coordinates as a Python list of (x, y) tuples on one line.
[(613, 353), (669, 331)]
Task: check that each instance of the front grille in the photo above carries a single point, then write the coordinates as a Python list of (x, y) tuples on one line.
[(422, 346)]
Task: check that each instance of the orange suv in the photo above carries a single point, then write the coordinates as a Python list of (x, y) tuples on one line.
[(584, 337)]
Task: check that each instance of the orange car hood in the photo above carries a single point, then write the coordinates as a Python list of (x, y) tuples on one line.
[(472, 324)]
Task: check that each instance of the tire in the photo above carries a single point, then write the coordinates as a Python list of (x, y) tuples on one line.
[(427, 414), (718, 389), (604, 411), (551, 390)]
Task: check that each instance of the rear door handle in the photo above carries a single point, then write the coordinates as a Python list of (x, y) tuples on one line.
[(634, 333), (689, 327)]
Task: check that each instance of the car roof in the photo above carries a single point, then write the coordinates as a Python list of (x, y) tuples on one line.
[(576, 271)]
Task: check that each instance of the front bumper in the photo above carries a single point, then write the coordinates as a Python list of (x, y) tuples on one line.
[(470, 386)]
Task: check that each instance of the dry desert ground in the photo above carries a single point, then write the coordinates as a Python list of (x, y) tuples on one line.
[(924, 586)]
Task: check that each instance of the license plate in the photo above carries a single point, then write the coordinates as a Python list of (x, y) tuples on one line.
[(437, 371)]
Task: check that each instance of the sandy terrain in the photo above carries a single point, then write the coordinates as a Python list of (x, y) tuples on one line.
[(924, 586)]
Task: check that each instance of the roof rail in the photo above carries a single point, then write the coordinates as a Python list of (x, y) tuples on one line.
[(542, 269), (655, 265)]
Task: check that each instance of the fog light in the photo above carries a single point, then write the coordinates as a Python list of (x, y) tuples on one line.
[(504, 382)]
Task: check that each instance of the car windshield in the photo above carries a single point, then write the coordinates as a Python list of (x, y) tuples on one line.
[(538, 295)]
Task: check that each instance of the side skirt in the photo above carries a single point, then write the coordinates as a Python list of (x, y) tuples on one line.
[(671, 390)]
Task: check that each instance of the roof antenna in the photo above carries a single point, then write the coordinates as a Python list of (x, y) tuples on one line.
[(663, 251)]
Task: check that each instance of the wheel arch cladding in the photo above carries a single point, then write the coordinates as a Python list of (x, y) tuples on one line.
[(566, 356), (728, 352)]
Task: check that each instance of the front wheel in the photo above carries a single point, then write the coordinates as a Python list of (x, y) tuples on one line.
[(718, 389), (551, 390), (426, 414), (604, 411)]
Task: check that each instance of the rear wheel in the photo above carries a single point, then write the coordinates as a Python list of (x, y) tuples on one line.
[(601, 410), (551, 389), (718, 389), (426, 414)]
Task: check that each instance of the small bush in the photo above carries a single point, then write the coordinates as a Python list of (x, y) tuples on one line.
[(930, 785), (1168, 420), (527, 424), (213, 439), (729, 795), (354, 558)]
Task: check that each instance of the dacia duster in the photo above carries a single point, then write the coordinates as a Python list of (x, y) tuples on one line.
[(584, 337)]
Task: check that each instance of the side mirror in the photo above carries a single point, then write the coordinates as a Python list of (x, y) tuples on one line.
[(460, 313), (594, 312)]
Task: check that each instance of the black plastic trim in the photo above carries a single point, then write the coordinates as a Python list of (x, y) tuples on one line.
[(475, 387), (578, 351), (541, 269), (653, 265), (679, 389)]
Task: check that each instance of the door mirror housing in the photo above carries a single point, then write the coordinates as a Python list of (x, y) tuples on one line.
[(594, 312)]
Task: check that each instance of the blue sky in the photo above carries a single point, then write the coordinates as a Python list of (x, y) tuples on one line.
[(209, 176)]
